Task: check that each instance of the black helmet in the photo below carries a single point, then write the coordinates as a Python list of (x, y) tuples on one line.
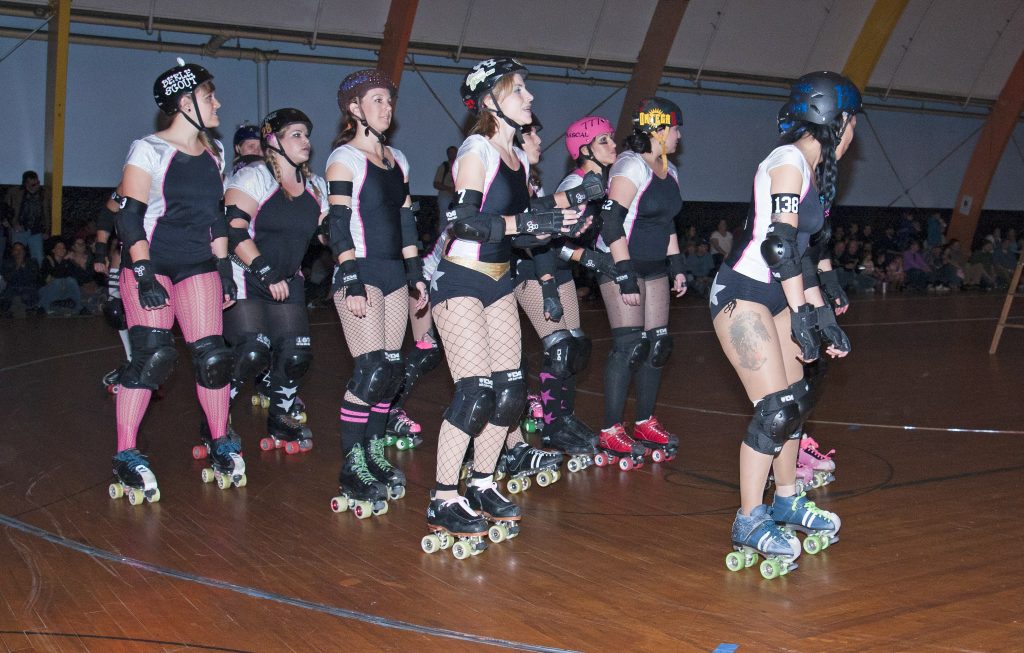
[(482, 77), (361, 81), (534, 125), (280, 118), (653, 113), (176, 82), (246, 132), (819, 98)]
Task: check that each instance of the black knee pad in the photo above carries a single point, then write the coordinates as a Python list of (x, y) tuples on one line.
[(630, 345), (661, 344), (509, 397), (370, 377), (472, 406), (252, 356), (292, 357), (802, 395), (153, 358), (583, 349), (559, 354), (213, 362), (421, 360), (396, 373), (113, 310), (776, 418)]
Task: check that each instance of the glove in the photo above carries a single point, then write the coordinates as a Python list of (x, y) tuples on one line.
[(227, 278), (349, 272), (625, 276), (804, 325), (151, 293), (539, 222), (265, 272), (834, 292), (830, 330), (413, 271), (675, 266), (591, 188), (552, 302), (600, 262)]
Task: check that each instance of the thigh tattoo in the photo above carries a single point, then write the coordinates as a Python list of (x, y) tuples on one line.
[(748, 334)]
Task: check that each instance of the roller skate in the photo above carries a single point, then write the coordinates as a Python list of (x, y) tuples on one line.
[(796, 513), (361, 493), (804, 478), (661, 445), (202, 451), (111, 380), (454, 525), (533, 421), (261, 393), (382, 469), (572, 437), (502, 514), (133, 478), (821, 464), (758, 535), (523, 461), (402, 431), (298, 411), (228, 466), (614, 445), (284, 431)]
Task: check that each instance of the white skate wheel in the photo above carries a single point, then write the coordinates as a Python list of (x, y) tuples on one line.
[(339, 504), (573, 465), (544, 478), (461, 551), (430, 543)]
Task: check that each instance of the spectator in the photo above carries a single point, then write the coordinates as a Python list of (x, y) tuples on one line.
[(980, 269), (721, 243), (919, 274), (1004, 260), (29, 207), (936, 230), (444, 183), (699, 264), (895, 276), (58, 277), (22, 276), (1011, 235), (888, 244), (81, 259)]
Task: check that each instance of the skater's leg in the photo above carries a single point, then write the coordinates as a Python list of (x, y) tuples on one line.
[(629, 350)]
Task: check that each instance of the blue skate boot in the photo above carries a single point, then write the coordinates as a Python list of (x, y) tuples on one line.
[(759, 535), (796, 513)]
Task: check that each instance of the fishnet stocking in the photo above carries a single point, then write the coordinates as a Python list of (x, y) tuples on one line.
[(382, 328)]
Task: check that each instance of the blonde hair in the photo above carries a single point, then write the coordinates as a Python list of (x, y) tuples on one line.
[(486, 122), (275, 168)]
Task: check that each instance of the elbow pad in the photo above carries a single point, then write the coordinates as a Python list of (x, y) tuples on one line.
[(236, 235), (471, 224), (613, 216), (105, 220), (130, 221), (809, 271), (779, 251), (591, 188), (339, 219), (410, 236)]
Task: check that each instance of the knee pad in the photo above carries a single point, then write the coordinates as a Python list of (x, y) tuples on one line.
[(559, 354), (630, 343), (153, 358), (293, 356), (252, 356), (212, 360), (661, 344), (583, 349), (424, 357), (776, 418), (370, 377), (473, 404), (509, 397), (805, 401), (113, 310), (396, 373)]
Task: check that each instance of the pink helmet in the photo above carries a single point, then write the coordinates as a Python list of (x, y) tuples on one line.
[(584, 131)]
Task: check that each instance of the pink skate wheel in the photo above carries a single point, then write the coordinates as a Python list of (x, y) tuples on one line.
[(657, 455), (266, 444), (291, 447), (625, 464), (198, 452), (600, 460)]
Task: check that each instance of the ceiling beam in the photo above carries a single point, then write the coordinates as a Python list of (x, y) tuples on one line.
[(988, 151), (661, 34), (874, 36), (397, 31)]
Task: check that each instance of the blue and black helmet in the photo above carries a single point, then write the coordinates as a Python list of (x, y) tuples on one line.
[(819, 98)]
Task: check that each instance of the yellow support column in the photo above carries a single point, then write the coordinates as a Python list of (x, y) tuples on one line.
[(873, 36), (56, 100)]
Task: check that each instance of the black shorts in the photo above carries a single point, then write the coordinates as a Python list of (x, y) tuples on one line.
[(526, 270), (730, 285), (645, 269), (387, 275), (452, 280)]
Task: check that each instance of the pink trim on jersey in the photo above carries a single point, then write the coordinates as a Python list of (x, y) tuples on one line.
[(163, 199), (636, 200), (355, 194), (753, 228)]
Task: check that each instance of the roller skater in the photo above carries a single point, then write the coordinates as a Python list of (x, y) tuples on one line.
[(133, 478), (203, 449), (796, 513), (361, 492), (523, 461), (454, 525), (503, 515), (382, 469), (402, 430), (758, 535), (227, 465)]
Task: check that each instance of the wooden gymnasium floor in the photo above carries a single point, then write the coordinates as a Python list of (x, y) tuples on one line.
[(928, 427)]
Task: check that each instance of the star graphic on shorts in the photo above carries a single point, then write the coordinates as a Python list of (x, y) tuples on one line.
[(715, 289), (433, 280)]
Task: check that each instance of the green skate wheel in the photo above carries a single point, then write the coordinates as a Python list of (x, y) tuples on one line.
[(430, 543), (403, 444), (115, 490), (389, 440), (812, 544), (339, 504), (461, 550), (770, 569), (734, 561), (515, 486)]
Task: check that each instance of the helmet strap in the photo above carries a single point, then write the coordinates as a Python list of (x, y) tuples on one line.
[(368, 130), (198, 122), (511, 123), (588, 155), (664, 155), (298, 170)]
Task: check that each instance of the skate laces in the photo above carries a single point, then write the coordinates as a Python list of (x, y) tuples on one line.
[(226, 445), (132, 458), (463, 503), (377, 454), (809, 445), (618, 435), (652, 424), (359, 466)]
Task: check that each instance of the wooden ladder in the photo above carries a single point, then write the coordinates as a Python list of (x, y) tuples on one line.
[(1003, 323)]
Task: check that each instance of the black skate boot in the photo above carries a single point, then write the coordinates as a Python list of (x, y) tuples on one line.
[(360, 491), (572, 437), (286, 431), (202, 450), (383, 470), (112, 379), (523, 461), (483, 496), (133, 478), (228, 466), (454, 524)]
